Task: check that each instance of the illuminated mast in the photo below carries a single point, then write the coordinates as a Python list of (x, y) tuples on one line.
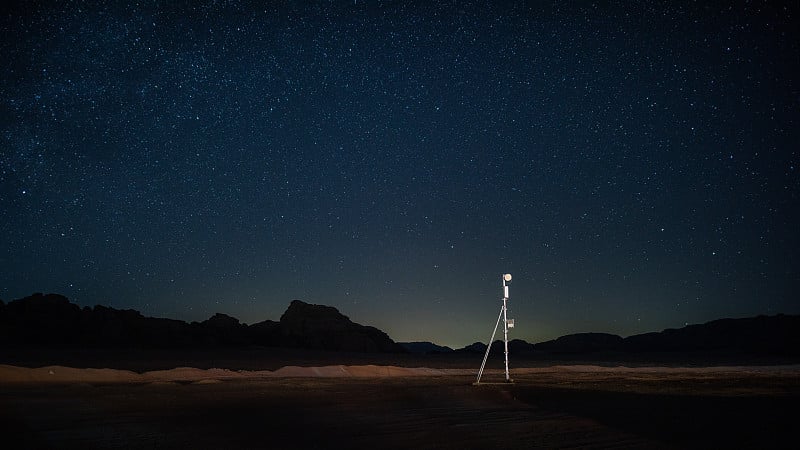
[(506, 325)]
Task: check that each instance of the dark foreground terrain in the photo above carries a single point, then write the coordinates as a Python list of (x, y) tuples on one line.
[(574, 408)]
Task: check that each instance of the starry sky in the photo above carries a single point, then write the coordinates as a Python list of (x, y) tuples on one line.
[(634, 165)]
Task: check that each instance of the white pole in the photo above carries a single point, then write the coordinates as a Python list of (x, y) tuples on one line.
[(505, 325), (502, 315)]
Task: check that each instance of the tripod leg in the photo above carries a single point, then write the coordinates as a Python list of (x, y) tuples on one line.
[(489, 347)]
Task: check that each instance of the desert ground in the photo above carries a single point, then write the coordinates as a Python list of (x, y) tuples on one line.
[(398, 406)]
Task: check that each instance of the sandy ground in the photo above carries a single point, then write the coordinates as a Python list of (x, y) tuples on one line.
[(59, 375), (368, 406)]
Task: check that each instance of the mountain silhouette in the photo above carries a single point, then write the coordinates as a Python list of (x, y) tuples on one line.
[(323, 327), (52, 320), (425, 347), (582, 343), (777, 335)]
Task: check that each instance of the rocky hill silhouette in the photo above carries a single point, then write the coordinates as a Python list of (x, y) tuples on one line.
[(515, 346), (582, 343), (777, 335), (323, 327), (425, 347), (52, 320)]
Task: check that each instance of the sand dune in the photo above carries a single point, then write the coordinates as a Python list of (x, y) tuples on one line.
[(60, 374), (69, 375)]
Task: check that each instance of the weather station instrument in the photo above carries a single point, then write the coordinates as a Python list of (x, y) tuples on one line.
[(507, 323)]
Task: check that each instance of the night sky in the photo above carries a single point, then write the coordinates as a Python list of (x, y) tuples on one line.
[(634, 165)]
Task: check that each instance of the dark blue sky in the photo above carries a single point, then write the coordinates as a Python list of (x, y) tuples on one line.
[(632, 164)]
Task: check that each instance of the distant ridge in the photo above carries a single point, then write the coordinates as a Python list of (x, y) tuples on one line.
[(582, 343), (323, 327), (777, 335), (52, 320), (425, 347), (762, 335), (515, 346)]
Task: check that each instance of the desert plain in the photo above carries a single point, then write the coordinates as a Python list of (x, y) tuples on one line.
[(420, 402)]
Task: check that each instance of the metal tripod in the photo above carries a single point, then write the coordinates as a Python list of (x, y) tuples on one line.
[(503, 309)]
